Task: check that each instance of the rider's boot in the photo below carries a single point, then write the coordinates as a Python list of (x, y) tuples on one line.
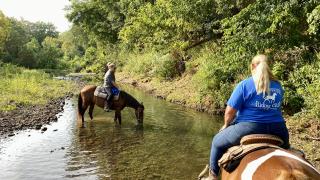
[(211, 176), (107, 106)]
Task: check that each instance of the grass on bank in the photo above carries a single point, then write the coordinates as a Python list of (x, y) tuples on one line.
[(28, 87)]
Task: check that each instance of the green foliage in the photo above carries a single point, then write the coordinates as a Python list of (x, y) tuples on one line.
[(138, 35), (216, 76), (74, 43), (4, 30), (261, 26), (311, 97), (29, 45), (140, 64), (169, 24), (267, 24), (22, 86), (8, 70), (50, 53), (103, 19), (228, 8), (314, 21), (96, 58), (165, 67), (28, 56), (151, 64), (279, 70), (17, 38), (306, 82), (293, 102), (41, 31)]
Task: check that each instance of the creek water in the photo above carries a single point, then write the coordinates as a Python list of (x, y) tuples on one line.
[(173, 144)]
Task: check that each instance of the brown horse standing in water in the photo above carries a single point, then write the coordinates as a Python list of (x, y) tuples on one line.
[(272, 164), (87, 99)]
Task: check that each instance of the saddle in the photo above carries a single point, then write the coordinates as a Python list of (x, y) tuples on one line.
[(103, 93), (231, 159)]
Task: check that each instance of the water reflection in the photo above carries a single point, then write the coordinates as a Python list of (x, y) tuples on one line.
[(95, 148)]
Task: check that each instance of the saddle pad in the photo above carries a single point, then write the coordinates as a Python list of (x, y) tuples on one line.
[(231, 159), (99, 92)]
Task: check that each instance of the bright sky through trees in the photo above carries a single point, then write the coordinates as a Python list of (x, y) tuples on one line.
[(37, 10)]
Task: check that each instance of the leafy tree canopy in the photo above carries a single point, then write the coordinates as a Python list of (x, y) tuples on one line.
[(4, 30), (102, 18)]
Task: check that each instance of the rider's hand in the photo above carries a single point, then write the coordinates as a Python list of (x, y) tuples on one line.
[(223, 127)]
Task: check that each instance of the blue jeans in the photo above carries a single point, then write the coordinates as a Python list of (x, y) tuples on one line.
[(232, 135)]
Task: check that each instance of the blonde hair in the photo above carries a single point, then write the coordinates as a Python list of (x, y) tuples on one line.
[(261, 74)]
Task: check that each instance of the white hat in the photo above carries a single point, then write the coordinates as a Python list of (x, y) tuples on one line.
[(110, 65)]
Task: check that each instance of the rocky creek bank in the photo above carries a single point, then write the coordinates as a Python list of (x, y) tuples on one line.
[(31, 116)]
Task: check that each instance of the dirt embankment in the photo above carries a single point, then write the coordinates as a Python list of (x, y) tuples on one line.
[(305, 135), (31, 117), (179, 91)]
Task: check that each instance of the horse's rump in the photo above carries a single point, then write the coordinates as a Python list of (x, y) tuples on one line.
[(272, 164), (277, 164)]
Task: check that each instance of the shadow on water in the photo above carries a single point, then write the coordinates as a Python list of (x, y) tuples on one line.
[(174, 143)]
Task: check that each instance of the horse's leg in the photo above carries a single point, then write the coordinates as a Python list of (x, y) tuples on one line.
[(85, 106), (115, 117), (81, 108), (119, 117), (91, 110)]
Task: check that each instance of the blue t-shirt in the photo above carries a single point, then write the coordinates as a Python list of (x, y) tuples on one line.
[(252, 107)]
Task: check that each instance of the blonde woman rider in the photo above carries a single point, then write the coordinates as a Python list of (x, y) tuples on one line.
[(253, 108)]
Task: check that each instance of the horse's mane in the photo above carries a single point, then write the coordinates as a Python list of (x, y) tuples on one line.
[(131, 101)]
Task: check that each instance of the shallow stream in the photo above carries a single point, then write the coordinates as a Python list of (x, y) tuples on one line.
[(174, 144)]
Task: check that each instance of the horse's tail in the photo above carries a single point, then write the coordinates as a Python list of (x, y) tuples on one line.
[(80, 109)]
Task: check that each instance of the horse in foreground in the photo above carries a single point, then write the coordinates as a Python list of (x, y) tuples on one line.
[(264, 161), (88, 99), (273, 164)]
